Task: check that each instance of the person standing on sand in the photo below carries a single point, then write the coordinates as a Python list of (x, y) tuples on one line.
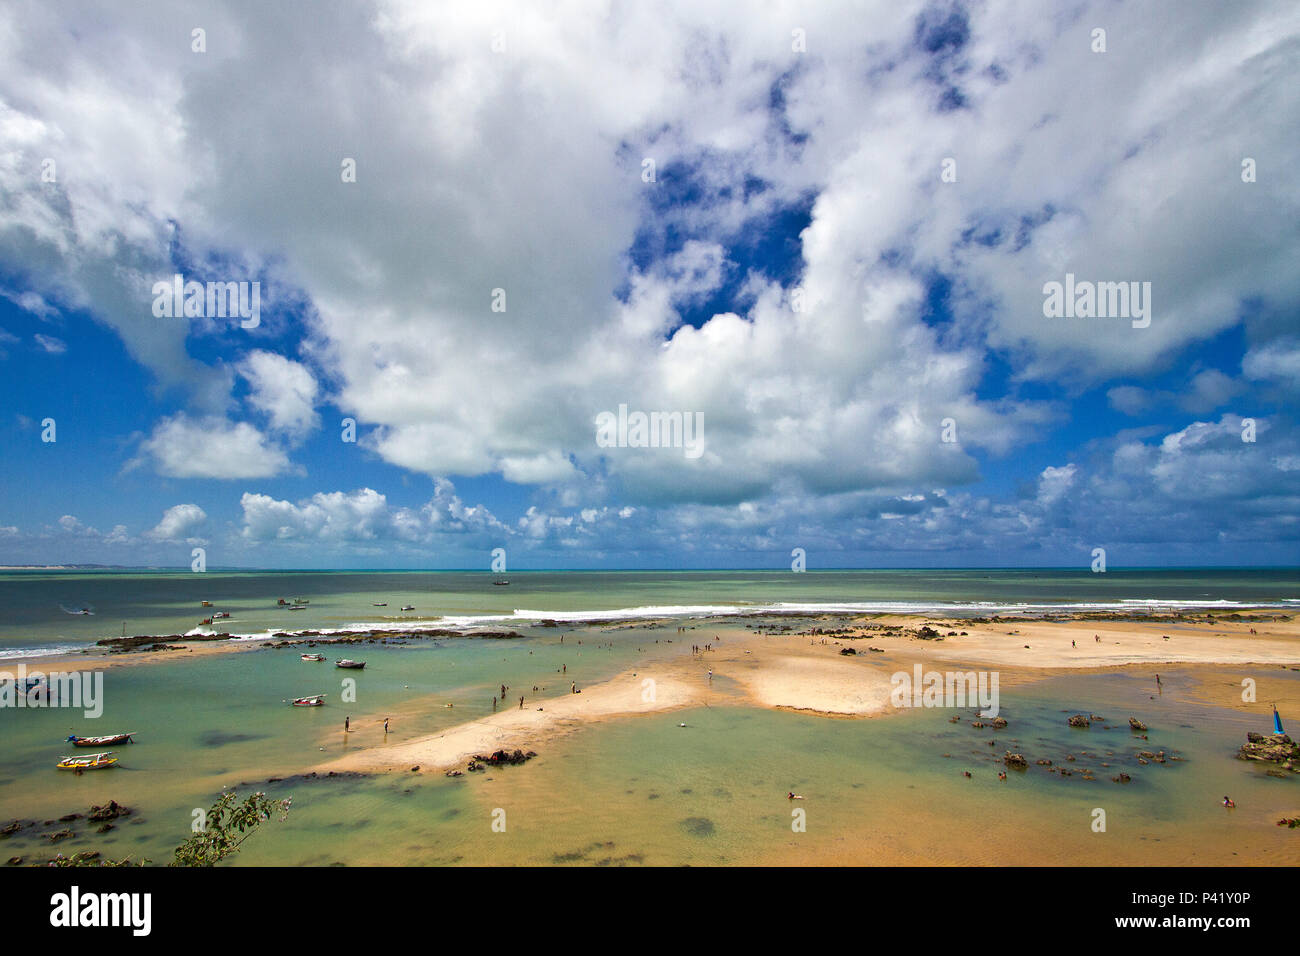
[(573, 687), (347, 723), (385, 725), (521, 702)]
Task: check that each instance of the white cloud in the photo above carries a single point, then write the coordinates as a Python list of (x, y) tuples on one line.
[(178, 522), (282, 389), (522, 171), (365, 516), (51, 344), (182, 447)]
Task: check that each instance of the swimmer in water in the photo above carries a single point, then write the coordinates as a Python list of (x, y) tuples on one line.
[(793, 796), (1228, 803)]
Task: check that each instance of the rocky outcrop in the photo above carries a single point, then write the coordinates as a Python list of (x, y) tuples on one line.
[(500, 758), (1136, 725), (111, 811), (1079, 720), (1016, 761), (1271, 748)]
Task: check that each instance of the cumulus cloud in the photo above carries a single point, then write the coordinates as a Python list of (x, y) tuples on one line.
[(284, 390), (365, 516), (521, 172), (178, 522), (184, 447)]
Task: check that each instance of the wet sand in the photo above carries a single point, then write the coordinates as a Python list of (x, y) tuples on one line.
[(808, 673)]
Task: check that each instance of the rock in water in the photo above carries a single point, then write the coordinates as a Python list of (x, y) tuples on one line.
[(1270, 748), (1137, 725), (1079, 720), (1016, 761)]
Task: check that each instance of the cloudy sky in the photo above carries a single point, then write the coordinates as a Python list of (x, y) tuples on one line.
[(822, 231)]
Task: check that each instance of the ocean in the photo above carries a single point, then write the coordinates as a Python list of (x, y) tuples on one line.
[(40, 610)]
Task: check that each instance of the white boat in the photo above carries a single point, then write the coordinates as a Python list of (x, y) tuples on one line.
[(313, 700)]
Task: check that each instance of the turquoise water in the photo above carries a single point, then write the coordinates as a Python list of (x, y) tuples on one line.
[(645, 790), (35, 605)]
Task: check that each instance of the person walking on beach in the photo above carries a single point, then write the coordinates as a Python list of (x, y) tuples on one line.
[(521, 702), (573, 687), (385, 725), (347, 723)]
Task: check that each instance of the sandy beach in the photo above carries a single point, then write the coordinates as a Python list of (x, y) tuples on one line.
[(808, 673)]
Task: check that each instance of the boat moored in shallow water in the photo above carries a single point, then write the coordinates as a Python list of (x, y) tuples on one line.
[(314, 700), (350, 665), (101, 741), (93, 762), (313, 657)]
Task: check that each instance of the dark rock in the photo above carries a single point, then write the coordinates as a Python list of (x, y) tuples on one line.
[(110, 812), (1270, 748), (1136, 725), (1016, 761), (503, 757), (1079, 720)]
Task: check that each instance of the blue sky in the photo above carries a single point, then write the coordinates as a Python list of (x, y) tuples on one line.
[(801, 275)]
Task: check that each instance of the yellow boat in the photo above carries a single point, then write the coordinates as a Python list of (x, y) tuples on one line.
[(93, 762)]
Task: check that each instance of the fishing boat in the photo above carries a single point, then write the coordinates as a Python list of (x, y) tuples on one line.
[(206, 620), (500, 584), (93, 762), (207, 604), (101, 741), (314, 700), (408, 607), (297, 607), (385, 604), (313, 657), (350, 665), (282, 603), (301, 601), (220, 614)]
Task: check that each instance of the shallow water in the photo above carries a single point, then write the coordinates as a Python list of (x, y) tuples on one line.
[(35, 605), (644, 790)]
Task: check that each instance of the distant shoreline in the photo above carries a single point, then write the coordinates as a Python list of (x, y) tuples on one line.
[(775, 622)]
